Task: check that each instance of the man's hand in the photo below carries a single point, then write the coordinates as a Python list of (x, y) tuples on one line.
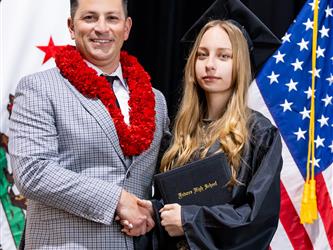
[(128, 209), (146, 208), (137, 220), (171, 219)]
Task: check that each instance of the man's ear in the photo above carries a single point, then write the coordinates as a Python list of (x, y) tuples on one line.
[(70, 25), (128, 26)]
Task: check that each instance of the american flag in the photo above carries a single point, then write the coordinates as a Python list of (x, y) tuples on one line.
[(283, 88)]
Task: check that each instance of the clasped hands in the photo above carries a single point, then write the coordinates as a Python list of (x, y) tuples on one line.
[(137, 216)]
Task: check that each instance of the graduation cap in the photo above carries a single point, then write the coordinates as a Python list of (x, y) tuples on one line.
[(262, 42)]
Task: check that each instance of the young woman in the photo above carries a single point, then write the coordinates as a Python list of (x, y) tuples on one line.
[(214, 117)]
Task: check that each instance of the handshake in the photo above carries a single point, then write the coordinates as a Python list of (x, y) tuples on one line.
[(137, 216)]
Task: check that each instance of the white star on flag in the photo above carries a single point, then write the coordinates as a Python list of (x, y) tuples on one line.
[(309, 92), (316, 162), (308, 24), (328, 11), (303, 45), (319, 142), (324, 31), (331, 147), (297, 64), (286, 38), (273, 77), (292, 85), (327, 100), (279, 57), (320, 52), (312, 4), (300, 134), (330, 79), (286, 105), (317, 71), (323, 121), (305, 113)]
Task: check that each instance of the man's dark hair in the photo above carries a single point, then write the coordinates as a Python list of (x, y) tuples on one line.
[(75, 4)]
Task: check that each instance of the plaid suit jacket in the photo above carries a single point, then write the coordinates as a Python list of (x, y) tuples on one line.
[(67, 161)]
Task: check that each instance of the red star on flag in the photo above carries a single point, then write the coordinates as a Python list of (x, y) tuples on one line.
[(49, 50)]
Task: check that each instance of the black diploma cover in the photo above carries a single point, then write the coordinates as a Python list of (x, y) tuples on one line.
[(201, 182)]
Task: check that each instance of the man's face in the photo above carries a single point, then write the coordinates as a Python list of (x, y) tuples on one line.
[(99, 29)]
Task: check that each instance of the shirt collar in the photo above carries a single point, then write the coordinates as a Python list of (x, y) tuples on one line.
[(118, 72)]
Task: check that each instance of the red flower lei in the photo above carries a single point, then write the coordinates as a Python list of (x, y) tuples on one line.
[(136, 137)]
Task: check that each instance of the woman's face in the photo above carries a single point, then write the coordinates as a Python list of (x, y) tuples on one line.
[(213, 65)]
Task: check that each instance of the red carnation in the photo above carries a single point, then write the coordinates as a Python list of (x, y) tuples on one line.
[(136, 137)]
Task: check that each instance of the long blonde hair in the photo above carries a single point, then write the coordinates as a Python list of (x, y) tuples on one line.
[(231, 128)]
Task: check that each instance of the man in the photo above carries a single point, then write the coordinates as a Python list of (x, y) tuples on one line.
[(80, 152)]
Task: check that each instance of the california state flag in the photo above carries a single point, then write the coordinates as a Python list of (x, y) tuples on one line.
[(31, 30)]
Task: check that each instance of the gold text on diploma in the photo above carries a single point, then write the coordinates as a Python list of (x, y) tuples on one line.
[(197, 189)]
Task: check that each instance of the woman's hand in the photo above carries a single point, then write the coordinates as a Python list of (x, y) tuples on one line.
[(147, 207), (171, 219), (146, 204)]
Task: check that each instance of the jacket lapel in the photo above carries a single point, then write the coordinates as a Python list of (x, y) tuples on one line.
[(96, 108)]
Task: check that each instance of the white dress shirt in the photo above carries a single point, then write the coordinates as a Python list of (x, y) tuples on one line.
[(120, 89)]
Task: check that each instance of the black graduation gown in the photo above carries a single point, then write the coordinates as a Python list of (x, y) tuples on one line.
[(248, 220)]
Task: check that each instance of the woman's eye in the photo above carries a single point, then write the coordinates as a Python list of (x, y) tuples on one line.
[(201, 55), (225, 56)]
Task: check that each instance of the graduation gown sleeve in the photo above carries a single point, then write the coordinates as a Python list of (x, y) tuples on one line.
[(249, 220)]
